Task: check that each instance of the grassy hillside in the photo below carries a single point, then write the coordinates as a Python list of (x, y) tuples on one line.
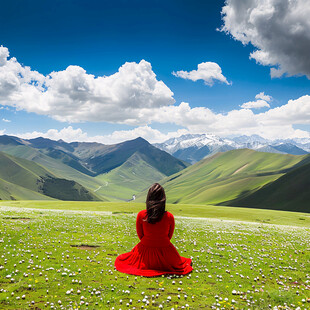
[(34, 178), (22, 172), (118, 154), (225, 176), (68, 159), (132, 177), (289, 192), (10, 191), (67, 190), (54, 166)]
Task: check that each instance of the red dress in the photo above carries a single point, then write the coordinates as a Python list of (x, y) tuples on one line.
[(154, 255)]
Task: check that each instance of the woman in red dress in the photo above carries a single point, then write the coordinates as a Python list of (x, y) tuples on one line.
[(154, 255)]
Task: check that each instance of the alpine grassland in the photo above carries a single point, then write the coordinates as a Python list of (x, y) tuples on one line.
[(60, 255), (227, 176)]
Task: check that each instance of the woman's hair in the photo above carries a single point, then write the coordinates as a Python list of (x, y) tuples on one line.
[(155, 203)]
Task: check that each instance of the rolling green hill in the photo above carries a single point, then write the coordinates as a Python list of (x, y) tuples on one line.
[(10, 191), (290, 192), (103, 158), (133, 176), (54, 166), (67, 159), (121, 169), (24, 179), (225, 176)]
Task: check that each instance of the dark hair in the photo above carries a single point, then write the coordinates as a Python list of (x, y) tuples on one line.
[(155, 203)]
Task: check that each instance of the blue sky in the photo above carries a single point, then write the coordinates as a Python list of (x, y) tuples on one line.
[(171, 36)]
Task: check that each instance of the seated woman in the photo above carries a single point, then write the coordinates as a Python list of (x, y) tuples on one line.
[(154, 255)]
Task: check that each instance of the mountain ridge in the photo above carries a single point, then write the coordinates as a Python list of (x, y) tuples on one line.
[(84, 162), (194, 147)]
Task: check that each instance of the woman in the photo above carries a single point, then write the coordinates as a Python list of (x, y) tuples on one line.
[(154, 255)]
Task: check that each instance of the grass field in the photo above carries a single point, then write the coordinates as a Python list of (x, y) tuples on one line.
[(55, 255)]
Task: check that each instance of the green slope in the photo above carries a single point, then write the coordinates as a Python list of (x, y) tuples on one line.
[(106, 158), (133, 176), (225, 176), (22, 172), (10, 191), (290, 192), (31, 176), (54, 166), (68, 159)]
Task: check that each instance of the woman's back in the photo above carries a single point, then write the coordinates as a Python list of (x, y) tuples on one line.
[(157, 234)]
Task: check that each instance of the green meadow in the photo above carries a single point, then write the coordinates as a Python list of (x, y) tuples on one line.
[(227, 176), (60, 255)]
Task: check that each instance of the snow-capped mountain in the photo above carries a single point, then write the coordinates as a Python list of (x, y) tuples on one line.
[(192, 140), (251, 142), (194, 147)]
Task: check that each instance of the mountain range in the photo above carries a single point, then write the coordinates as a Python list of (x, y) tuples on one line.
[(44, 169), (194, 147), (93, 165)]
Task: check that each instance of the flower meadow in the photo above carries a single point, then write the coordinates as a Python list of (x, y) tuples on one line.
[(58, 259)]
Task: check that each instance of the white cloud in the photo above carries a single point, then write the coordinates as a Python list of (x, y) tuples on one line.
[(133, 96), (6, 120), (4, 54), (276, 123), (262, 96), (255, 104), (69, 134), (261, 102), (73, 95), (209, 72), (294, 112), (278, 29)]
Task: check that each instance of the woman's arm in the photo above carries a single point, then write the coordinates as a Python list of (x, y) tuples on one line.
[(139, 226), (171, 228)]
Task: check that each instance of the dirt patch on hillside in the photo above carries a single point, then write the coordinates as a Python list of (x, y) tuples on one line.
[(85, 246), (24, 219), (240, 169)]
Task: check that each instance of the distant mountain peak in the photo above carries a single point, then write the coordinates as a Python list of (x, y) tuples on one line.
[(194, 147), (137, 141)]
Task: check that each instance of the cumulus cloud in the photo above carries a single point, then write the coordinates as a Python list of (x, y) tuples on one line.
[(134, 96), (6, 120), (276, 123), (262, 96), (73, 95), (294, 112), (255, 104), (261, 102), (209, 72), (69, 134), (279, 30)]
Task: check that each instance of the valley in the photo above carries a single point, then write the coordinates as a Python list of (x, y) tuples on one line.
[(44, 169)]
